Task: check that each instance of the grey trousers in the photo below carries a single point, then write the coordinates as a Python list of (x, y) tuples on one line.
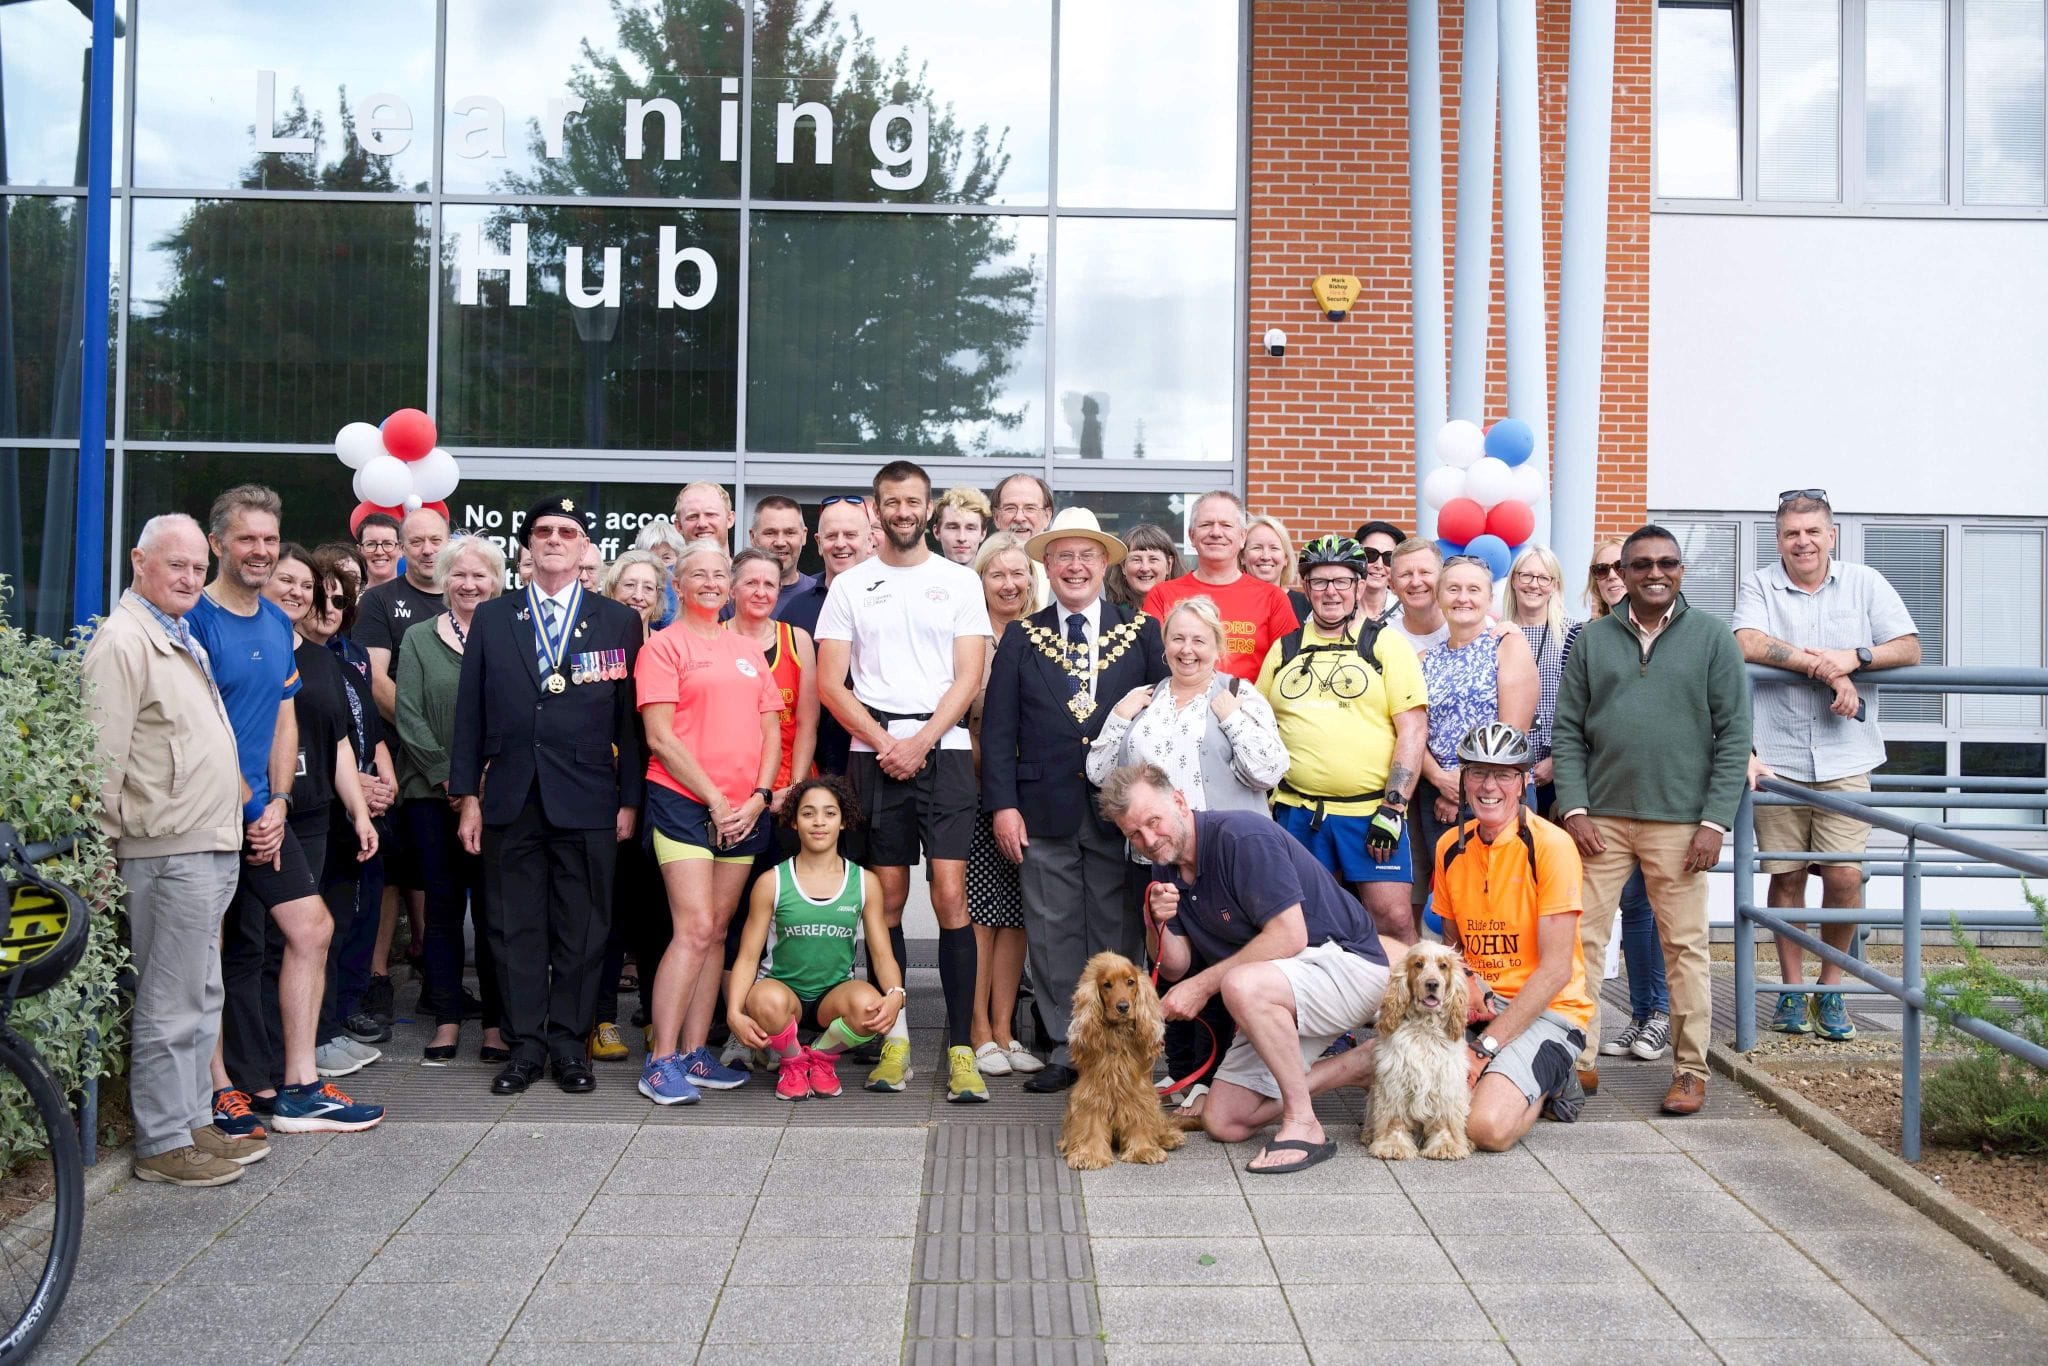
[(1077, 903), (175, 905)]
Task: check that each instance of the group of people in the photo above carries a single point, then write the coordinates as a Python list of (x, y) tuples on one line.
[(1259, 770)]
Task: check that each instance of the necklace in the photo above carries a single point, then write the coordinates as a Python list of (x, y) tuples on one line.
[(461, 636), (1072, 658)]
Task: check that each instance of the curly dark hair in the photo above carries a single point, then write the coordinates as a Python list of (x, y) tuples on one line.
[(849, 809)]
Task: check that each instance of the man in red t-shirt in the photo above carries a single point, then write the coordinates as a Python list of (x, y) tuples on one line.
[(1254, 612)]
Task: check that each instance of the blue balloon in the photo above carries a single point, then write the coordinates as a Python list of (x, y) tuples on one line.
[(1449, 548), (1494, 551), (1510, 441)]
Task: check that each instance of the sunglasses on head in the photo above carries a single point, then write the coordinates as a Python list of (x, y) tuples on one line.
[(856, 499), (1796, 495)]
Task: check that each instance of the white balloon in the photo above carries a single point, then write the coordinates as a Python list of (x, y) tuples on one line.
[(435, 475), (357, 444), (1489, 481), (384, 481), (413, 503), (1532, 483), (1444, 483), (1460, 444)]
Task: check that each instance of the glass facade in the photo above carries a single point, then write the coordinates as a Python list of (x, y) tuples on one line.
[(613, 245)]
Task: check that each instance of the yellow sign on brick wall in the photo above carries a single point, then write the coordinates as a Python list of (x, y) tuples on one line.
[(1335, 294)]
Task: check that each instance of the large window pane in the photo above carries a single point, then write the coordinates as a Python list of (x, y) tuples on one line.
[(1913, 559), (1708, 549), (1799, 76), (1146, 339), (45, 67), (42, 333), (896, 333), (650, 364), (2003, 759), (295, 97), (1119, 512), (517, 67), (265, 320), (38, 491), (2002, 101), (1148, 104), (1905, 102), (1699, 103), (970, 82), (2001, 625)]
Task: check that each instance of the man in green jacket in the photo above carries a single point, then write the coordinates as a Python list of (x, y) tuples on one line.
[(1651, 745)]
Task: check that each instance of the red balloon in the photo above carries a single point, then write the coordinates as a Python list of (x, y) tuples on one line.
[(1460, 520), (409, 434), (439, 505), (355, 519), (1511, 520)]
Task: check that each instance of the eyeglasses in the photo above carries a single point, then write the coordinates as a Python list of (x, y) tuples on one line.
[(1794, 495), (853, 498), (1602, 568), (1476, 776), (1534, 580), (556, 532), (1373, 556), (1089, 556), (1669, 564), (1330, 583)]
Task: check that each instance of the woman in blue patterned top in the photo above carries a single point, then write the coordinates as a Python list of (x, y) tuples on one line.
[(1478, 674)]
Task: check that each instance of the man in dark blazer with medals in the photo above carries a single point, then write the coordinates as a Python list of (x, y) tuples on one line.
[(1055, 678), (547, 772)]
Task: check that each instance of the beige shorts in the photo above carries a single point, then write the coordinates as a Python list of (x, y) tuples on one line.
[(1335, 991), (1809, 827)]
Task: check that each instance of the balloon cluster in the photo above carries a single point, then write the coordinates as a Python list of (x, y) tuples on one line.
[(1486, 490), (398, 467)]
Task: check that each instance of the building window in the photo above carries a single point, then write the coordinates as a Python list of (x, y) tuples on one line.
[(1894, 107)]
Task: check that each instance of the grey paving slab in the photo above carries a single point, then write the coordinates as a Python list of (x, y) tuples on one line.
[(1765, 1132), (1893, 1254), (578, 1173), (983, 1313), (1339, 1317), (1000, 1257), (1621, 1136), (1289, 1353), (626, 1260), (140, 1208), (353, 1354), (1831, 1207), (1622, 1311), (464, 1213), (883, 1176), (1759, 1259), (1580, 1352), (1982, 1306), (1805, 1310), (687, 1145), (1665, 1173), (1624, 1211), (1951, 1351), (1225, 1314), (1864, 1352), (692, 1214), (1536, 1213), (887, 1216), (593, 1313), (333, 1258), (1483, 1174), (1351, 1172), (742, 1174), (1183, 1262), (833, 1145), (358, 1209), (1165, 1216), (388, 1313), (1359, 1259), (108, 1254), (777, 1259), (416, 1259), (858, 1314), (1541, 1259), (200, 1316), (1390, 1353), (93, 1310), (1279, 1211), (1191, 1171)]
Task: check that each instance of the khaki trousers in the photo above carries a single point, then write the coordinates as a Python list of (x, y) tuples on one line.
[(1679, 900)]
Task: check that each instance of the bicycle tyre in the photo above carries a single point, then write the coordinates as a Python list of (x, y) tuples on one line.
[(58, 1253)]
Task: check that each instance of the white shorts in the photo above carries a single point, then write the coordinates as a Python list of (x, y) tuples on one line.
[(1335, 991)]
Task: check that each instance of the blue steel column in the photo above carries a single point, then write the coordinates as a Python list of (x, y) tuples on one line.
[(1426, 241), (89, 573), (1909, 1041), (1472, 248), (1745, 929), (1521, 232), (1582, 286)]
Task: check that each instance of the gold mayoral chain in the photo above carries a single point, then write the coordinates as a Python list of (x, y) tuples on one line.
[(1072, 657)]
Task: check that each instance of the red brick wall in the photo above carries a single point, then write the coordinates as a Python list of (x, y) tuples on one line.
[(1329, 427)]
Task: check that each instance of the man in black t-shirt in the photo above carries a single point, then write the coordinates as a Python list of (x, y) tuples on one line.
[(1247, 912)]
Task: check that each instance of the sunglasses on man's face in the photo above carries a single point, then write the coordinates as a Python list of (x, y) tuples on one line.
[(1669, 564)]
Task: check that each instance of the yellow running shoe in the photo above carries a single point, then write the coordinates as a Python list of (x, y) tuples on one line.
[(893, 1072), (607, 1044), (963, 1082)]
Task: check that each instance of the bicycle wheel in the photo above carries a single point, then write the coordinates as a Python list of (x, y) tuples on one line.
[(40, 1233)]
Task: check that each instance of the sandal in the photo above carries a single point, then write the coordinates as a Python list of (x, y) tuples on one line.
[(1315, 1153)]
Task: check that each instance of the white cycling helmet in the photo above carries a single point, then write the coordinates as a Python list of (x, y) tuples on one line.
[(1496, 743)]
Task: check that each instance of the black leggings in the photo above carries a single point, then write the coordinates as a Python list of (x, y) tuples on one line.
[(454, 884)]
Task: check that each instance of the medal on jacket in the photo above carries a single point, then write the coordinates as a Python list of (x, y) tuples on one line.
[(553, 643), (1072, 659)]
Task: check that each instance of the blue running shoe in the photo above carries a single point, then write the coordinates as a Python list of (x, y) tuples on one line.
[(1831, 1017), (233, 1116), (709, 1074), (1791, 1016), (666, 1081), (320, 1108)]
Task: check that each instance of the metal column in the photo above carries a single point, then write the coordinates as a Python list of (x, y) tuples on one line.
[(1472, 248), (1426, 242), (1582, 287), (1521, 232), (89, 573)]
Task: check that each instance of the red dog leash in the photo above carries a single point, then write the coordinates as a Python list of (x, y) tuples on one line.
[(1158, 935)]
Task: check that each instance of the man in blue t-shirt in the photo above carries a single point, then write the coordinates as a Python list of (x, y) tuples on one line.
[(277, 929), (1247, 911)]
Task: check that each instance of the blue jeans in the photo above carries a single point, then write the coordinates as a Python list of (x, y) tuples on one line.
[(1642, 951)]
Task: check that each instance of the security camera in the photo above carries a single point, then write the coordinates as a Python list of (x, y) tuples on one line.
[(1276, 342)]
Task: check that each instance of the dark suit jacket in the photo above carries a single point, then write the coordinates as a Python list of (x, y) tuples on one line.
[(1033, 752), (580, 747)]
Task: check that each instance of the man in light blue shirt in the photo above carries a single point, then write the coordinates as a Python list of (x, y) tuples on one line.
[(1832, 622)]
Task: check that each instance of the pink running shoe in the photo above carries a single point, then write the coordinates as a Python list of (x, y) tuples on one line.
[(824, 1073), (793, 1078)]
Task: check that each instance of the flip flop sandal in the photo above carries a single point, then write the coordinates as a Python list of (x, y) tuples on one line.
[(1316, 1152)]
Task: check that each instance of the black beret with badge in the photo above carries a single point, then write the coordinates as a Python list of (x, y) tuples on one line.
[(558, 505)]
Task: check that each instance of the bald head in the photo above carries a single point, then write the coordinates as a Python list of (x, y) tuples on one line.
[(421, 537), (169, 561)]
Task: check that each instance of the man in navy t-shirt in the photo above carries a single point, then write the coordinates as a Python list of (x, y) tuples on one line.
[(1248, 912)]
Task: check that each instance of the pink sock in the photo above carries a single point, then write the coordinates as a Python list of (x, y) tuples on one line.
[(784, 1043)]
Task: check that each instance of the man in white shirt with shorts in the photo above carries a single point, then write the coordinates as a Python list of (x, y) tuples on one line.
[(902, 645)]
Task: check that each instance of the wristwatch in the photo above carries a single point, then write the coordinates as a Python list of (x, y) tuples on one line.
[(284, 797), (766, 795), (1863, 655), (1487, 1045)]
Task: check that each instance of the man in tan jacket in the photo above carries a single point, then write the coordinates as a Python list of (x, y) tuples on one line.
[(171, 802)]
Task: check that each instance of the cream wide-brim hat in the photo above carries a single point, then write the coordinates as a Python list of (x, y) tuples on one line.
[(1072, 523)]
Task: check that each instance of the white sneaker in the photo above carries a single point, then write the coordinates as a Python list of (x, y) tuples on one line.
[(736, 1054), (991, 1061), (357, 1050), (330, 1059), (1022, 1059)]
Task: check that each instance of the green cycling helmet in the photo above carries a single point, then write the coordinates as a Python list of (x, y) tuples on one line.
[(1338, 550)]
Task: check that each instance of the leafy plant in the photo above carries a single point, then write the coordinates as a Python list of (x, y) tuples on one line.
[(1988, 1098), (49, 787)]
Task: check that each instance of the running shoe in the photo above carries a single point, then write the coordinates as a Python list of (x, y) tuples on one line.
[(1791, 1016), (1619, 1045), (709, 1074), (358, 1048), (607, 1044), (330, 1059), (824, 1073), (665, 1081), (1653, 1037), (737, 1055), (963, 1080), (233, 1116), (1831, 1017), (366, 1028), (893, 1072), (321, 1108), (793, 1077)]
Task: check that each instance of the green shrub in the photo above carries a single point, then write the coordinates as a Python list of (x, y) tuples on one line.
[(1989, 1098), (49, 787)]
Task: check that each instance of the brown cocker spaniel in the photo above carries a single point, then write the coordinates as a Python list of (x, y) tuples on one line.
[(1419, 1066), (1113, 1110)]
